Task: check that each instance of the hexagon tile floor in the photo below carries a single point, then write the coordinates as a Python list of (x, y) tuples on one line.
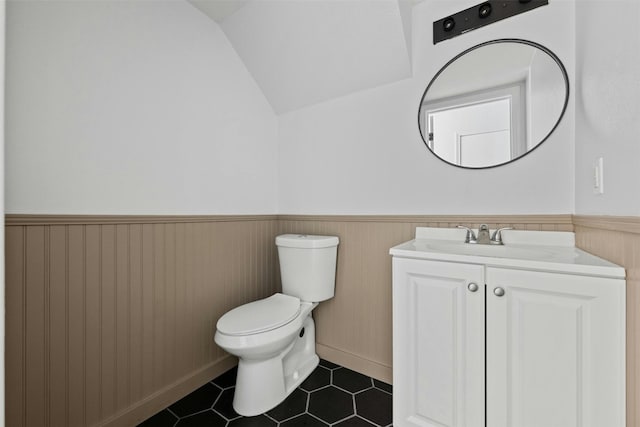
[(330, 396)]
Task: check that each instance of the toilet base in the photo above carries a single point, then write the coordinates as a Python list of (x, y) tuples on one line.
[(261, 385)]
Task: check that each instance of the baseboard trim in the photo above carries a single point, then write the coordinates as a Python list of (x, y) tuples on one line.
[(357, 363), (164, 397)]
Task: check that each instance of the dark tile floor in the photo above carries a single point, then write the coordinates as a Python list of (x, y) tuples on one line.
[(330, 396)]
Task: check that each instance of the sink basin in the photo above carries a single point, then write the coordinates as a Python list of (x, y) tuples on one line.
[(498, 251), (542, 250)]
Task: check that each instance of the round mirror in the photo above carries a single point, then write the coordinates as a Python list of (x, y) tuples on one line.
[(493, 103)]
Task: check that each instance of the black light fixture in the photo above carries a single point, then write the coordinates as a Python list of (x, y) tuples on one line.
[(448, 24), (484, 10), (479, 15)]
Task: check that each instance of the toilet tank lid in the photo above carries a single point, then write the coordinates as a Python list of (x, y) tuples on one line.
[(307, 241)]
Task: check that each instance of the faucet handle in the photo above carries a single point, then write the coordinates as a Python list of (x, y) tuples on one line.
[(471, 236), (497, 235)]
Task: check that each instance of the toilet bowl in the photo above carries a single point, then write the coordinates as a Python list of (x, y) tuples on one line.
[(269, 368), (274, 338)]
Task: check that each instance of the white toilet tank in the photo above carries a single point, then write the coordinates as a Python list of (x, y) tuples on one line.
[(308, 266)]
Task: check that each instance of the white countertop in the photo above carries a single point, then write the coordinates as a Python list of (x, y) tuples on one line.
[(531, 250)]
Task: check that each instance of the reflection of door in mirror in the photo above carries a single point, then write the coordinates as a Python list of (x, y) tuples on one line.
[(493, 103), (474, 130)]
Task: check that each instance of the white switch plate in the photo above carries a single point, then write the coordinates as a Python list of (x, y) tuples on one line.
[(598, 176)]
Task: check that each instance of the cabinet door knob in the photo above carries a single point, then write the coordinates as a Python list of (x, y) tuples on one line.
[(498, 291), (472, 287)]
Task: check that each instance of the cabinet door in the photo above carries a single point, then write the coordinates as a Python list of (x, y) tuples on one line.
[(438, 344), (555, 350)]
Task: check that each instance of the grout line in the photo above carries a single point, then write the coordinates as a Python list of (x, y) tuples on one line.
[(355, 409), (343, 419), (226, 420), (320, 388), (202, 412), (361, 391), (384, 391), (290, 418), (271, 418), (216, 401), (173, 413), (317, 418), (351, 392)]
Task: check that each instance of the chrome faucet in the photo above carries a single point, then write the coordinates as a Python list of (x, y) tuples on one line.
[(484, 236), (496, 237), (471, 236)]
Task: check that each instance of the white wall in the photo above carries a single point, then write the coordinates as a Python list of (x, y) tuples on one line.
[(362, 153), (145, 108), (132, 108), (608, 105), (546, 95), (305, 52)]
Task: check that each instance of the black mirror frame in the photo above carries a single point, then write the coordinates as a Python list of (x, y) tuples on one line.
[(527, 42)]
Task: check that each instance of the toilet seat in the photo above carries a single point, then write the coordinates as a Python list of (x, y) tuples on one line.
[(260, 316)]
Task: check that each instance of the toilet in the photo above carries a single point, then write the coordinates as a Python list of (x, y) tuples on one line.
[(274, 338)]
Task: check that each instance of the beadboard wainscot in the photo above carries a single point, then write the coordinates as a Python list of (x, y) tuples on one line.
[(110, 319), (617, 239), (354, 329)]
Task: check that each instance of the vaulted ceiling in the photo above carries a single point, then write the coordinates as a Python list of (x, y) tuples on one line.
[(302, 52)]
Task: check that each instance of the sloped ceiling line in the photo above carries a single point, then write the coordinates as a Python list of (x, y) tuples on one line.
[(302, 52)]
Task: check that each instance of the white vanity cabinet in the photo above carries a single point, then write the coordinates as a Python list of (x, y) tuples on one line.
[(555, 346), (495, 342), (438, 344)]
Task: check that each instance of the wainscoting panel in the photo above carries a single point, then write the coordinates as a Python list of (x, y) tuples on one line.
[(354, 328), (110, 320), (617, 239)]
